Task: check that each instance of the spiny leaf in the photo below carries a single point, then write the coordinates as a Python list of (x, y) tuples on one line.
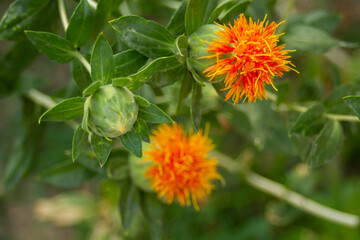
[(68, 109), (102, 61), (55, 47), (147, 37)]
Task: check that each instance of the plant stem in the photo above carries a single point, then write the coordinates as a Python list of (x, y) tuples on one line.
[(93, 4), (297, 200), (298, 108), (83, 60), (293, 198), (40, 98), (65, 23), (63, 15), (286, 16), (47, 102)]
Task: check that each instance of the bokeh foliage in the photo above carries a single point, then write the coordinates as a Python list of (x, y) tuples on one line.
[(306, 148)]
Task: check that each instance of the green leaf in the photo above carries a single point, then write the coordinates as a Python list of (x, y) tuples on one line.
[(154, 114), (19, 16), (122, 82), (327, 145), (55, 47), (142, 101), (185, 89), (235, 11), (326, 21), (306, 38), (180, 48), (88, 159), (197, 77), (79, 143), (81, 24), (106, 7), (165, 78), (19, 56), (93, 87), (101, 147), (141, 128), (283, 91), (219, 89), (157, 65), (153, 212), (308, 123), (68, 109), (354, 103), (132, 142), (195, 108), (198, 13), (102, 61), (334, 101), (176, 23), (147, 37), (84, 122), (224, 5), (128, 62), (26, 147), (301, 145), (118, 168), (80, 75), (129, 204), (66, 175)]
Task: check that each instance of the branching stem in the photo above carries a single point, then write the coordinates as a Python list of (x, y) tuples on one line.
[(83, 60), (293, 198), (63, 15), (47, 102), (298, 108)]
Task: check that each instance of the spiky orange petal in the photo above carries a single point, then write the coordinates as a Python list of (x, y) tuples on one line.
[(248, 55), (181, 165)]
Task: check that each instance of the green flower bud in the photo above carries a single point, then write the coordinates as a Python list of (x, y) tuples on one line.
[(112, 111), (198, 45)]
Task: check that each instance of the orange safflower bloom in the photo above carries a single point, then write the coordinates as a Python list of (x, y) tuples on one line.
[(248, 54), (181, 165)]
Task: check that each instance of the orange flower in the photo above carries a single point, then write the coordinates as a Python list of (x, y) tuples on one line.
[(181, 165), (248, 54)]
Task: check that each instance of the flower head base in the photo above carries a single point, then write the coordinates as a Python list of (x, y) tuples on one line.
[(111, 111), (181, 165), (249, 57)]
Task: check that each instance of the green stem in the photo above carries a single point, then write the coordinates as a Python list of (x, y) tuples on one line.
[(63, 15), (83, 60), (293, 198), (47, 102), (298, 108), (93, 4), (303, 203), (65, 23), (287, 14), (124, 9), (40, 98)]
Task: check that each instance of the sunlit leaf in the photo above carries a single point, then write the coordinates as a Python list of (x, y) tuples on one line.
[(68, 109), (56, 48), (81, 24), (147, 37), (327, 145), (102, 61)]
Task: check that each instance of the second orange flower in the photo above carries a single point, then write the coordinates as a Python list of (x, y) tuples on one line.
[(248, 55)]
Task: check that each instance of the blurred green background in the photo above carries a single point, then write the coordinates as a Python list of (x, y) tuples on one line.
[(249, 132)]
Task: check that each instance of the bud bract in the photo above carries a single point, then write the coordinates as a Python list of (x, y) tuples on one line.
[(198, 45), (112, 111)]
